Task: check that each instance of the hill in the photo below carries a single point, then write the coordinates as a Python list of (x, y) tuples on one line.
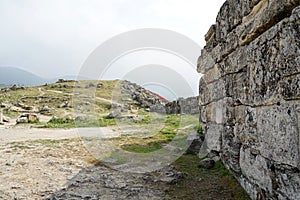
[(68, 99), (12, 75)]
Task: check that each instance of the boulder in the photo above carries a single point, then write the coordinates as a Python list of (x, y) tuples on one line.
[(194, 142), (5, 119), (27, 118), (32, 118), (22, 120), (64, 104), (45, 109), (115, 114), (99, 85), (207, 163)]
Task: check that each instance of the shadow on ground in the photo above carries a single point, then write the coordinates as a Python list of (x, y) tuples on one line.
[(182, 180)]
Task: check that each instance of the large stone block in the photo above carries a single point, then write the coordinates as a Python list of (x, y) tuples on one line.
[(205, 62), (236, 86), (288, 182), (230, 152), (203, 114), (246, 126), (212, 74), (221, 111), (211, 92), (278, 133), (263, 16), (290, 88), (234, 62), (255, 168), (212, 140)]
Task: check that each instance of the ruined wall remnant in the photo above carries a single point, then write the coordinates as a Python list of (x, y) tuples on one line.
[(183, 106), (250, 94)]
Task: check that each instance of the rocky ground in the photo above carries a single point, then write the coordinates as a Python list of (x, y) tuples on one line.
[(45, 166), (46, 163)]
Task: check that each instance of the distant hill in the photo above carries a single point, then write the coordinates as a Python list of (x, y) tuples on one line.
[(11, 76)]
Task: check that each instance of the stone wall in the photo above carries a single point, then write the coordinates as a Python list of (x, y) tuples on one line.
[(250, 92), (183, 106)]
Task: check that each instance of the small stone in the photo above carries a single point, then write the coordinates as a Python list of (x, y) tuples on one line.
[(22, 120), (207, 163), (115, 114), (6, 119)]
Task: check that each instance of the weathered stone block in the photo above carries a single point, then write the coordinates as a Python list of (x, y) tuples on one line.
[(246, 126), (234, 62), (263, 16), (255, 168), (203, 114), (205, 61), (288, 182), (290, 88), (230, 152), (212, 74), (211, 92), (203, 92), (210, 33), (212, 140), (236, 86), (278, 133), (223, 111)]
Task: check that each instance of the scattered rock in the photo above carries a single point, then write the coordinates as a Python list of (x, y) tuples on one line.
[(64, 104), (15, 87), (6, 119), (80, 117), (207, 163), (99, 85), (24, 106), (45, 109), (64, 81), (27, 118), (32, 118), (90, 85), (115, 114), (22, 120), (194, 141), (138, 118)]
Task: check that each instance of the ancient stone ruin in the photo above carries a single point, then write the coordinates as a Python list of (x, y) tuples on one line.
[(183, 106), (249, 95)]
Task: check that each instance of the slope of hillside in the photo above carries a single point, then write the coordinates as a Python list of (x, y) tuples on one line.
[(69, 99)]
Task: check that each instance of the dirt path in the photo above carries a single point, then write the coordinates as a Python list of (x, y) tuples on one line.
[(54, 164), (20, 134), (43, 163)]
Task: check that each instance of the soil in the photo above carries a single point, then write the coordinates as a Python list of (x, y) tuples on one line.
[(53, 164)]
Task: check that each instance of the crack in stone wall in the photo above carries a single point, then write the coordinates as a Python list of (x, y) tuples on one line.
[(250, 92)]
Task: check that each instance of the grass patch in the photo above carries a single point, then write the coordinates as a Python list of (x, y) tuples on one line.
[(170, 132), (199, 183), (200, 129), (93, 161), (146, 148), (75, 123), (11, 114)]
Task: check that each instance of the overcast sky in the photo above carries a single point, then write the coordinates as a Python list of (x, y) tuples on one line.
[(53, 38)]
